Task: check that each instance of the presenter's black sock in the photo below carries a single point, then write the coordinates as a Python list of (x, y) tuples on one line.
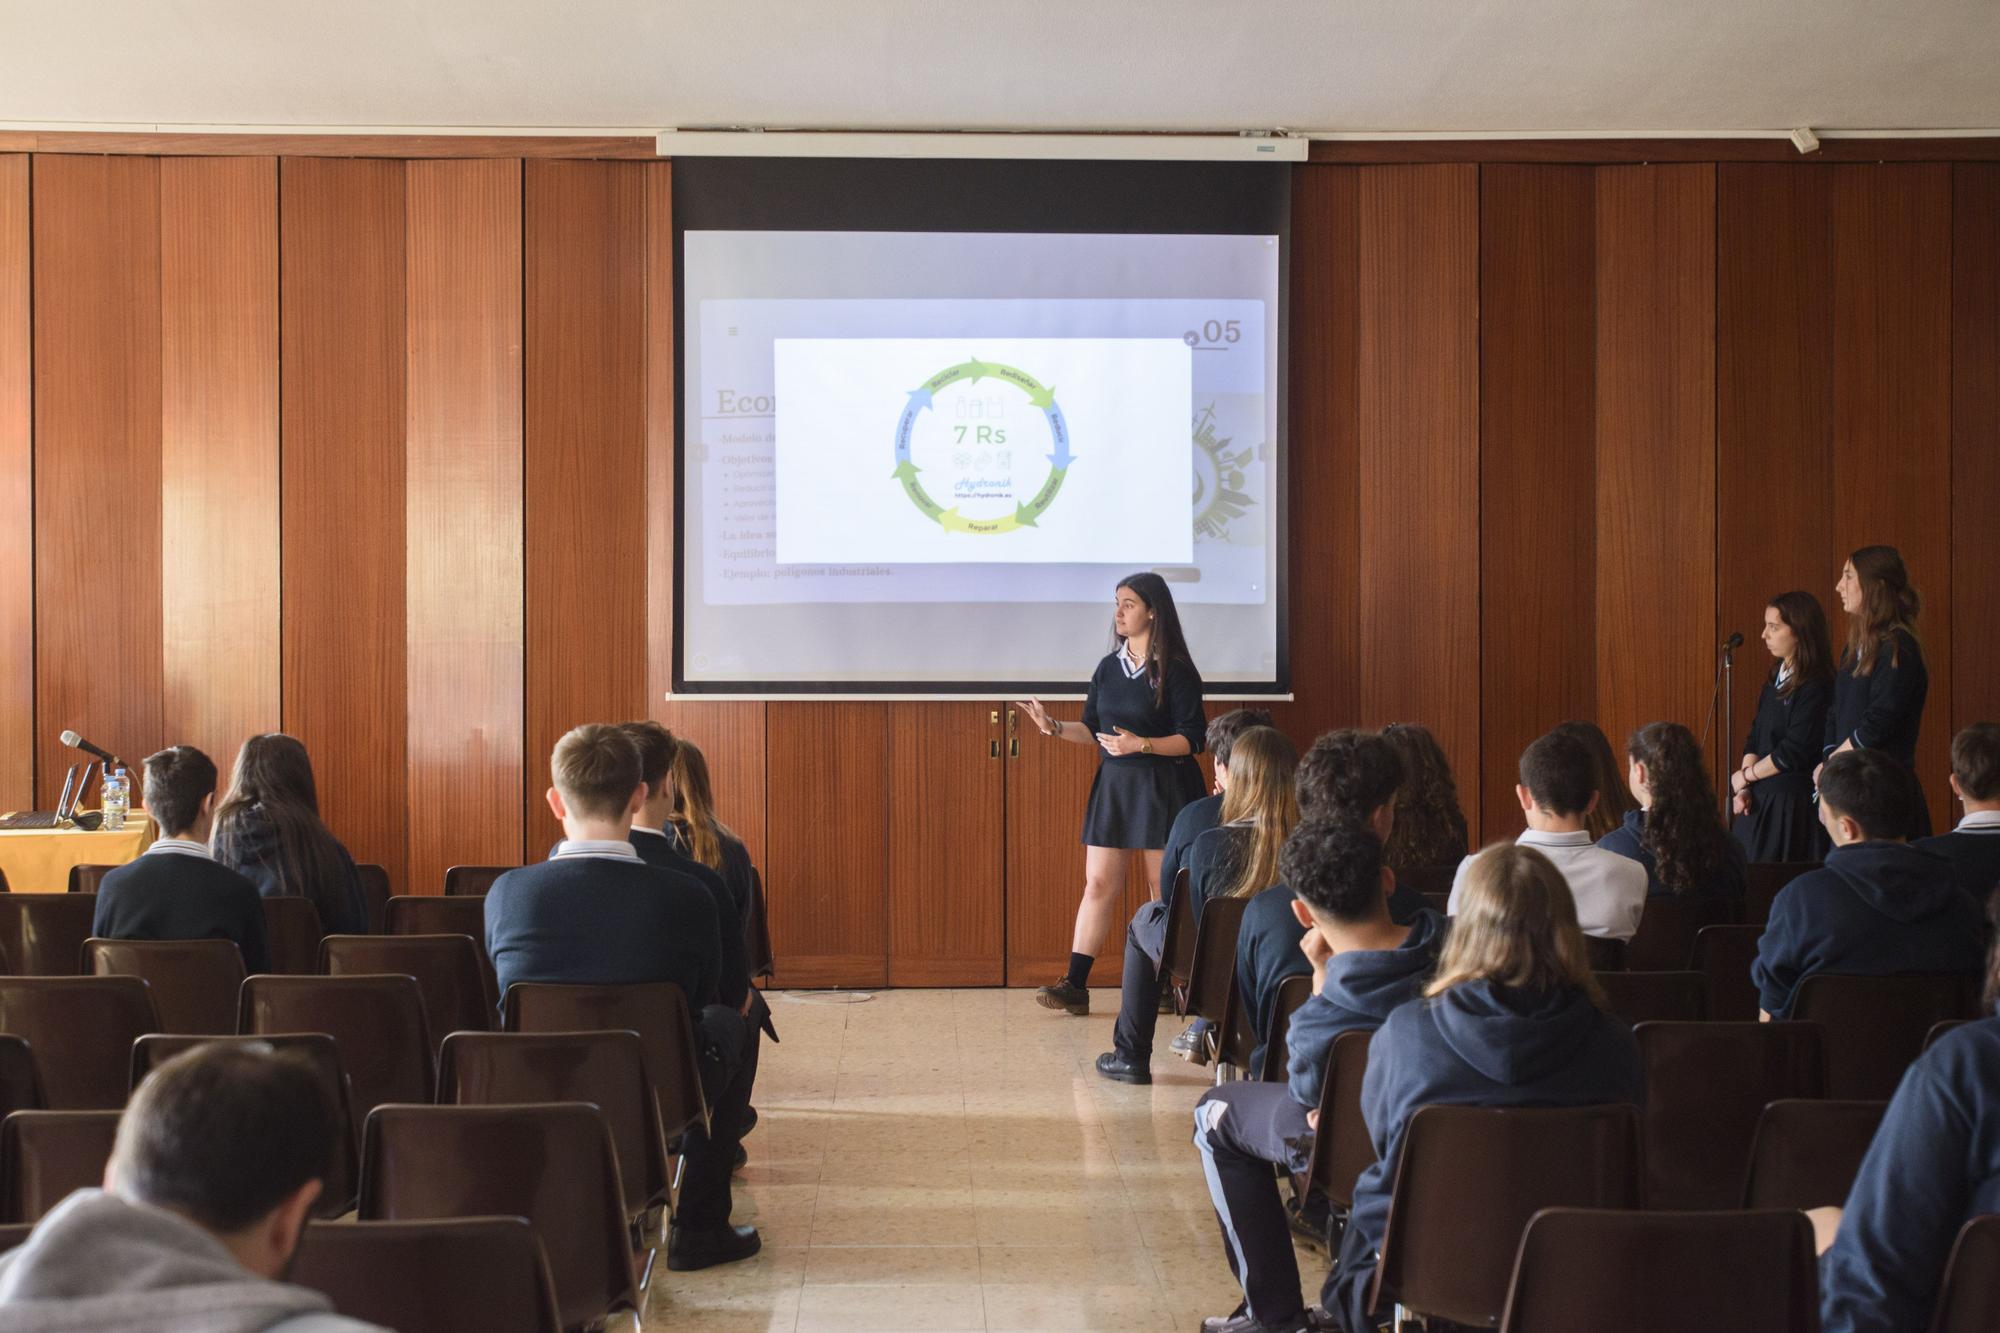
[(1079, 970)]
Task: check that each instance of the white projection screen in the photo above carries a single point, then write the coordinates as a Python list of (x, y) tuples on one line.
[(932, 412)]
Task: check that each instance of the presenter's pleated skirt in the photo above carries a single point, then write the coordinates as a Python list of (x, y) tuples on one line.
[(1783, 823), (1133, 800)]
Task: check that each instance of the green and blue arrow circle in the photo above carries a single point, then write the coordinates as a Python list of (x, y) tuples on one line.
[(920, 400)]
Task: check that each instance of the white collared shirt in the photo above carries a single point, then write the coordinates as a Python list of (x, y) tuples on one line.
[(1125, 661), (1979, 821), (181, 847), (1609, 889), (607, 847)]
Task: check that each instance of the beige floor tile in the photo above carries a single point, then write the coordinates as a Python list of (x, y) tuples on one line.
[(943, 1307), (1066, 1266), (893, 1265), (1054, 1307)]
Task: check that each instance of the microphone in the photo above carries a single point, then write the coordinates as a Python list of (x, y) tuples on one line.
[(76, 742), (1733, 641)]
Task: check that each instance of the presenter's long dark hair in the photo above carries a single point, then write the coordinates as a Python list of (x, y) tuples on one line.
[(1683, 831), (1812, 659), (272, 810), (1167, 644)]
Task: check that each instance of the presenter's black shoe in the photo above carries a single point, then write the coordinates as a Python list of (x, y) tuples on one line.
[(742, 1159), (1072, 1000), (1118, 1069), (688, 1249)]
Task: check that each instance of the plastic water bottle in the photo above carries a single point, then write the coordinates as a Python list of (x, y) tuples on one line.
[(117, 798)]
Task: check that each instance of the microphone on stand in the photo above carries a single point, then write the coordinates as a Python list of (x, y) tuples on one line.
[(76, 742), (1733, 642), (1725, 694)]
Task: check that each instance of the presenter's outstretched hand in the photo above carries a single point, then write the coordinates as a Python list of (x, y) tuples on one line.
[(1038, 715), (1121, 741)]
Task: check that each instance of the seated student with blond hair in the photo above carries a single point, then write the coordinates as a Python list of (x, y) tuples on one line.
[(1973, 847), (595, 913)]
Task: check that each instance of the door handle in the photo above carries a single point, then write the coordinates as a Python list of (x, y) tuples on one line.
[(993, 749), (1014, 748)]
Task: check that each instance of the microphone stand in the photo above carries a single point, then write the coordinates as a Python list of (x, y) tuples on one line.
[(1728, 716)]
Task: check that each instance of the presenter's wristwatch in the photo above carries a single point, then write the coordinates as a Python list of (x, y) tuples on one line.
[(1146, 745)]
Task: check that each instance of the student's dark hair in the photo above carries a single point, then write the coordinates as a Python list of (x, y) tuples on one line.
[(1992, 991), (177, 778), (657, 747), (1335, 867), (1684, 831), (596, 768), (1167, 644), (273, 785), (1871, 789), (1560, 773), (1348, 774), (1888, 604), (1812, 659), (1224, 728), (1430, 827), (1614, 801), (1975, 760), (224, 1134)]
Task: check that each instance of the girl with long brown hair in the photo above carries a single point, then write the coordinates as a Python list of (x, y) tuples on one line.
[(1772, 785), (1879, 691), (268, 828), (1429, 828), (1614, 802), (1676, 833), (702, 835)]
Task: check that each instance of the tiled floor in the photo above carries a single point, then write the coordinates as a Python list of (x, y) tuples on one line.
[(940, 1160)]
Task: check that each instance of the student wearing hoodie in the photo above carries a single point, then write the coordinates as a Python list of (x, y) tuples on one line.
[(219, 1158), (1878, 906), (1973, 847), (1934, 1164), (1364, 965), (268, 829), (1512, 1018)]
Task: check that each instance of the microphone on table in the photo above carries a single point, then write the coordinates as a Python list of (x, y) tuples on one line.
[(76, 742)]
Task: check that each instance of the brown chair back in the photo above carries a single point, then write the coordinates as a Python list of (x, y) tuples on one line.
[(1969, 1301), (20, 1080), (375, 894), (1664, 941), (657, 1011), (552, 1163), (1604, 955), (1723, 954), (1655, 997), (47, 1155), (42, 934), (378, 1022), (1342, 1149), (466, 1275), (1428, 880), (85, 879), (292, 923), (446, 968), (757, 930), (1439, 902), (1177, 946), (1763, 883), (607, 1069), (1876, 1025), (81, 1030), (1585, 1270), (317, 1049), (3, 882), (1939, 1030), (1213, 975), (13, 1234), (1807, 1153), (429, 914), (194, 982), (472, 881), (1706, 1086), (1501, 1165), (1293, 992)]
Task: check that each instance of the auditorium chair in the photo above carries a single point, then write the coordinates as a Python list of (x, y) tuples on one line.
[(757, 931), (657, 1011), (1213, 974), (472, 881), (1706, 1086), (464, 1275), (1667, 929), (85, 879), (1938, 1030), (1586, 1270), (1293, 992), (13, 1234), (1177, 945), (317, 1049), (1763, 883), (194, 982), (1342, 1148), (45, 1155), (1969, 1298), (375, 894), (1655, 997), (429, 914), (1807, 1153), (3, 882), (446, 968), (1724, 954), (1501, 1165), (1605, 955), (378, 1021), (1876, 1025), (42, 934), (552, 1163), (1439, 902), (81, 1030), (20, 1080), (292, 926), (1428, 880)]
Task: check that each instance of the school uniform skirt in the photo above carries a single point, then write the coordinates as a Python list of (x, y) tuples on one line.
[(1783, 823), (1133, 800)]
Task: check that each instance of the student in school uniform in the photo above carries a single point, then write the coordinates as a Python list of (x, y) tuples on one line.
[(268, 828), (1973, 847), (1676, 833), (1143, 713), (1198, 817), (1234, 859), (1772, 788), (1430, 827), (595, 913), (1879, 906), (1614, 802), (177, 890), (1363, 966), (1557, 792), (698, 833), (1512, 1018), (1933, 1165), (1879, 691)]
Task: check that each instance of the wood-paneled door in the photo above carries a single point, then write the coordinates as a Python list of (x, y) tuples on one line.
[(947, 856)]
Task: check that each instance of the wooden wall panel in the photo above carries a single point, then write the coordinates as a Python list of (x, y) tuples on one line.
[(1048, 784), (463, 517), (219, 552), (1892, 233), (584, 468), (342, 344), (826, 872), (1655, 445), (1975, 447), (947, 827), (732, 739), (17, 494), (1774, 284), (1537, 469), (97, 456), (1419, 437)]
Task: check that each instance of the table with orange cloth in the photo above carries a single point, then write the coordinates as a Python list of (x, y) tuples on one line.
[(39, 860)]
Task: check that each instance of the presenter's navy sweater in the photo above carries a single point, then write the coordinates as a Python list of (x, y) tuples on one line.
[(603, 921), (1362, 988), (168, 896)]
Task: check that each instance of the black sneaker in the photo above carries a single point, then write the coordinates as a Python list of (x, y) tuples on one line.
[(1244, 1322), (1118, 1069), (1072, 1000)]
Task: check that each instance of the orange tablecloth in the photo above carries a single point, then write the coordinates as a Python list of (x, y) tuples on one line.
[(38, 860)]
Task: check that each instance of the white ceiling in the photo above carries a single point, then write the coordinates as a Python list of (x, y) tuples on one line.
[(1390, 65)]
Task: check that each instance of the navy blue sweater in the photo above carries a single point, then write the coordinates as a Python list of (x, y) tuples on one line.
[(1196, 818), (1629, 840), (1883, 709), (1874, 909), (1974, 856), (169, 896), (1267, 951), (1362, 987), (1935, 1162), (595, 920), (1214, 861)]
